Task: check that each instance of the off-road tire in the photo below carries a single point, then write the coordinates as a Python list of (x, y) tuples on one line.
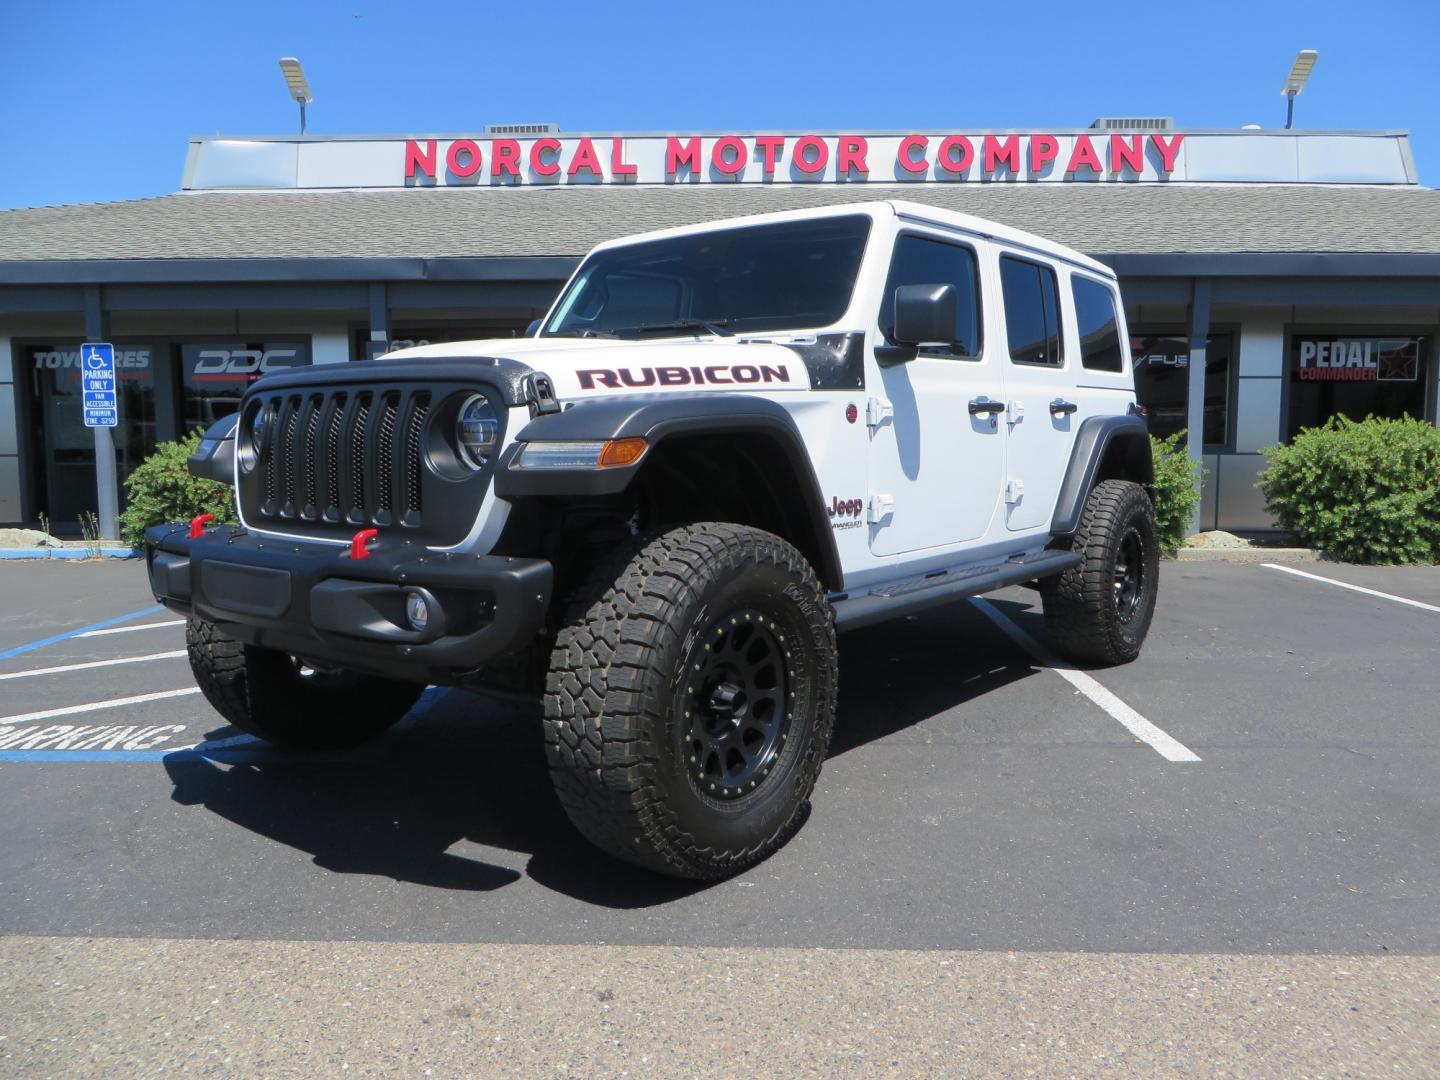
[(619, 720), (263, 693), (1084, 612)]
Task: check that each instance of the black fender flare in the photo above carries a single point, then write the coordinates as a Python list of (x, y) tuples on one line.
[(657, 418), (1092, 442)]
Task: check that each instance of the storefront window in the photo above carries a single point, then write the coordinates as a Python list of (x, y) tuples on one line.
[(1162, 374), (213, 376), (1355, 375), (409, 336), (64, 470)]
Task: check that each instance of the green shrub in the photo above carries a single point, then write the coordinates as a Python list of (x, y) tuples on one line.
[(1363, 492), (1177, 490), (162, 490)]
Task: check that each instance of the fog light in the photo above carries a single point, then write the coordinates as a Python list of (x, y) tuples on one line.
[(417, 611)]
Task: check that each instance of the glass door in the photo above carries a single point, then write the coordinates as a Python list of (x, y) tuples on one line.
[(66, 464)]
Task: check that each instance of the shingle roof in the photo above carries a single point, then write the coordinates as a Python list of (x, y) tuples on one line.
[(470, 223)]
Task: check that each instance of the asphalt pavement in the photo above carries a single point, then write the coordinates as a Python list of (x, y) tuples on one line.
[(977, 810)]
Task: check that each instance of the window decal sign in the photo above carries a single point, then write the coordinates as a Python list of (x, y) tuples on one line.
[(1353, 359), (237, 364)]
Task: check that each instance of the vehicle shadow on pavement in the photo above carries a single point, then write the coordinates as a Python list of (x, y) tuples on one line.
[(902, 673), (473, 769)]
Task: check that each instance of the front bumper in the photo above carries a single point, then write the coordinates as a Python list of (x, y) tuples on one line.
[(316, 602)]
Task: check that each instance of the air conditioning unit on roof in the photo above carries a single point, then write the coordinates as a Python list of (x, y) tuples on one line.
[(1134, 123), (522, 129)]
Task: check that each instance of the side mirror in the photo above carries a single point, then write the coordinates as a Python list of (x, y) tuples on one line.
[(533, 328), (214, 457), (924, 315)]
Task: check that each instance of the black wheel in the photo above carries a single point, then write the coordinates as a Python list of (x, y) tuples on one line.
[(1100, 611), (690, 700), (288, 702)]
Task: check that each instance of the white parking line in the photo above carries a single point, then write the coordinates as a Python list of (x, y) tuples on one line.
[(1166, 746), (1352, 588), (128, 629), (94, 706), (91, 664)]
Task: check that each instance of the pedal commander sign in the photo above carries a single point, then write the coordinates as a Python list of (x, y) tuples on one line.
[(1338, 359), (796, 158)]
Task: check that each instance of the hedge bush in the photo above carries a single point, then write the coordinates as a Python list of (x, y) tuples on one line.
[(1366, 491), (1177, 490), (162, 490)]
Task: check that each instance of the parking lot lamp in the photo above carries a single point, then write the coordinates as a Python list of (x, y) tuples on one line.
[(1294, 82), (298, 85)]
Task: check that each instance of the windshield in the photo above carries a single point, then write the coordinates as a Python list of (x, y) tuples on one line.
[(788, 276)]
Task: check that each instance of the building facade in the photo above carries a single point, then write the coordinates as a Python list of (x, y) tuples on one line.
[(1271, 278)]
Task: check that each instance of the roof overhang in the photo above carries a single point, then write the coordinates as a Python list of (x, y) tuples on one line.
[(559, 267)]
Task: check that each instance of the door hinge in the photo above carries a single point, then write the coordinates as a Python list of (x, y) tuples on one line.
[(881, 507), (877, 411), (1015, 412), (1014, 491)]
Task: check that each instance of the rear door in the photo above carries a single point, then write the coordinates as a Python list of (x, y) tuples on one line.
[(1103, 379), (935, 469), (1041, 410)]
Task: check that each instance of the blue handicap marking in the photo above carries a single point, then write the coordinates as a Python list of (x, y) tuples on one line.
[(97, 367)]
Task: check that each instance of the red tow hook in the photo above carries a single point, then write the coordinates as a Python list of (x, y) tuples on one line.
[(198, 523), (358, 550)]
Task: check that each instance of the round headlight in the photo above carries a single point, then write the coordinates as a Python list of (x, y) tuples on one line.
[(259, 423), (477, 429)]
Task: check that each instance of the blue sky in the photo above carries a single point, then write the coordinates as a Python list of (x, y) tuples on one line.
[(99, 98)]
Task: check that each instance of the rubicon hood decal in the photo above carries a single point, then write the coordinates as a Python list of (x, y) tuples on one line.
[(689, 375), (658, 367)]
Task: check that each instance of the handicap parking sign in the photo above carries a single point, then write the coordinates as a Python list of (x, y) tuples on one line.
[(97, 380)]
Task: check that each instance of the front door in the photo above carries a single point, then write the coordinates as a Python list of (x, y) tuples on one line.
[(936, 469)]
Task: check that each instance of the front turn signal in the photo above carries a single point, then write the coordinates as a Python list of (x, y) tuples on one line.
[(618, 452)]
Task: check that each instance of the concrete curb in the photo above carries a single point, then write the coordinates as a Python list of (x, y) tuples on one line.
[(1249, 555), (67, 553)]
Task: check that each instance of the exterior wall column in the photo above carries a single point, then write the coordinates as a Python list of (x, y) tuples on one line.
[(9, 437), (1199, 329), (379, 319), (329, 343)]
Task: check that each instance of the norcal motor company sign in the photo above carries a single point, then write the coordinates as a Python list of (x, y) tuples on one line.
[(674, 159), (540, 158)]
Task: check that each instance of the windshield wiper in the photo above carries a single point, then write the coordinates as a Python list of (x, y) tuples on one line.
[(713, 326)]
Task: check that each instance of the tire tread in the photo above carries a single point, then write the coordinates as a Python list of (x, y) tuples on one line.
[(599, 700)]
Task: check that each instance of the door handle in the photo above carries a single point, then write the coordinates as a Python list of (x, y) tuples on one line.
[(1061, 407), (983, 406)]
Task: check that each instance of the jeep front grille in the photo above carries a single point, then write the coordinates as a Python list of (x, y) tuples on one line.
[(342, 457)]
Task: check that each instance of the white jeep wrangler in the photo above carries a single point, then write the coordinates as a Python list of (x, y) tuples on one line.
[(723, 445)]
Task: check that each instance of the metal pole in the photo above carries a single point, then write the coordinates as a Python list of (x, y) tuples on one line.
[(107, 485), (1289, 110), (107, 482), (302, 118)]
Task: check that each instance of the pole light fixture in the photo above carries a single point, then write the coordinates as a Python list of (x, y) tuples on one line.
[(1296, 80), (297, 84)]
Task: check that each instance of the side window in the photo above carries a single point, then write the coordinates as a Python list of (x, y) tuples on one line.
[(921, 261), (1032, 313), (1098, 326)]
